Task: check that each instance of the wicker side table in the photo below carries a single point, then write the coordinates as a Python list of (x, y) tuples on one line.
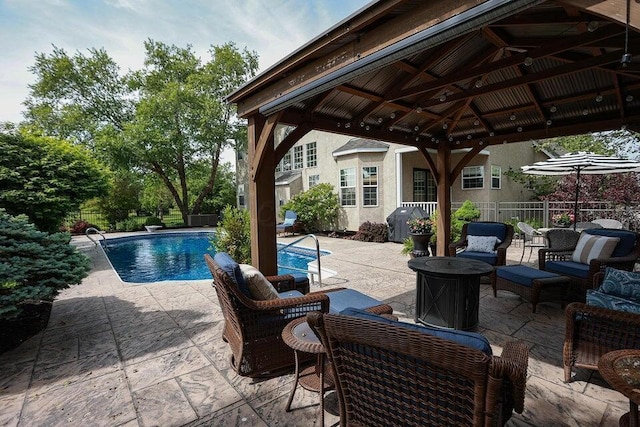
[(621, 369), (300, 337)]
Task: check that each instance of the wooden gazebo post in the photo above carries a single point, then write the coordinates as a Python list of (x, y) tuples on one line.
[(261, 190)]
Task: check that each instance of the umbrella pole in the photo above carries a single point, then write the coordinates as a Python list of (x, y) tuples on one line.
[(575, 205)]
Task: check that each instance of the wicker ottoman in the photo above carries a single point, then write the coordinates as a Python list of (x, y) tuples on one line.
[(530, 283)]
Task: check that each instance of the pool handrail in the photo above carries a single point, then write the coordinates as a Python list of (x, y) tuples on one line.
[(101, 233), (306, 236)]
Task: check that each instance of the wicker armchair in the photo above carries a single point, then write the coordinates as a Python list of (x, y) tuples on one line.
[(387, 375), (502, 231), (593, 331), (558, 260)]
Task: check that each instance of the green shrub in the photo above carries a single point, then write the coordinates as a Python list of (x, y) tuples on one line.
[(129, 224), (467, 212), (34, 265), (372, 232), (233, 235), (317, 208), (153, 220)]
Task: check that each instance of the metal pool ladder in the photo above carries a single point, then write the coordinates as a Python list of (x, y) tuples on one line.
[(307, 236), (95, 230)]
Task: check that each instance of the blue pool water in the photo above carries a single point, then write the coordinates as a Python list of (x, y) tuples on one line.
[(179, 256)]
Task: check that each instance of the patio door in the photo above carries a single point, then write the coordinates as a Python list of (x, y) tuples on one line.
[(424, 186)]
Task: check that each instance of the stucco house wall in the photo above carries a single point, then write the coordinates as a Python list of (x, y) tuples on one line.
[(335, 152)]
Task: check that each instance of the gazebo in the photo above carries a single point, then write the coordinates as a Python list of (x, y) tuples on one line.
[(444, 75)]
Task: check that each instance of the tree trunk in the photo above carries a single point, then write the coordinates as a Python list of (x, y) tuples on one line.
[(215, 161)]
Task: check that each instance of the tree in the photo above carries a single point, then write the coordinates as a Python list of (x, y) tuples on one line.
[(34, 265), (46, 178), (163, 118)]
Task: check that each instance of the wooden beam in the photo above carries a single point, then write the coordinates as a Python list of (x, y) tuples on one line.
[(443, 195), (290, 140), (508, 62), (611, 9), (266, 139), (430, 163), (464, 161), (262, 207)]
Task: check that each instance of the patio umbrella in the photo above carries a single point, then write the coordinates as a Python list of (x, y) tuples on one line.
[(581, 163)]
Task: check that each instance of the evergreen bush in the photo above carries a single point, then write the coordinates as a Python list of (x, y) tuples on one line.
[(34, 265), (317, 208), (233, 235)]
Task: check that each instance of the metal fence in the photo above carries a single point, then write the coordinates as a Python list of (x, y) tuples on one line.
[(539, 214), (96, 218)]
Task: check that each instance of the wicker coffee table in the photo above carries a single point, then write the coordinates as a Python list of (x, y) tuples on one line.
[(299, 336), (621, 369)]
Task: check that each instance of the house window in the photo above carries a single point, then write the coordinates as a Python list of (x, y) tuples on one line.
[(312, 159), (286, 161), (348, 187), (298, 157), (424, 186), (314, 180), (496, 177), (472, 177), (370, 186)]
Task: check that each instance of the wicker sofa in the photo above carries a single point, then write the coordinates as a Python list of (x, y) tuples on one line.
[(559, 261), (497, 255), (389, 373), (592, 331), (253, 328)]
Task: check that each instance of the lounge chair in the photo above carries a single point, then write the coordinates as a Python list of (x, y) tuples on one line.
[(596, 328), (569, 261), (531, 238), (495, 253), (609, 223), (289, 223), (253, 328), (390, 373)]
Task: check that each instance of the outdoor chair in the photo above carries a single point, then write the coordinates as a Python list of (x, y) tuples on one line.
[(601, 325), (289, 223), (390, 373), (591, 254), (562, 239), (253, 328), (484, 241), (609, 223), (531, 238)]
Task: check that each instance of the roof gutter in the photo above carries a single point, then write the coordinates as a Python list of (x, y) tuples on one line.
[(476, 17)]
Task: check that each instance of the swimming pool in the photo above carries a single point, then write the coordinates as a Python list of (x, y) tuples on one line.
[(179, 256)]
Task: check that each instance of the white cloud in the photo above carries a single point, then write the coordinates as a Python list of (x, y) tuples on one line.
[(272, 28)]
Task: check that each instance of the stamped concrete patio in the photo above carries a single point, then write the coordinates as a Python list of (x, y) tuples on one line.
[(116, 354)]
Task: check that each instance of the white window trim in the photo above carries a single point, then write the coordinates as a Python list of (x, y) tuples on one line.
[(298, 161), (354, 187), (376, 186), (315, 154), (309, 180), (462, 178), (499, 187)]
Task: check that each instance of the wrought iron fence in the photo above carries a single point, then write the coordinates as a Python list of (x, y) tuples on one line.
[(135, 220)]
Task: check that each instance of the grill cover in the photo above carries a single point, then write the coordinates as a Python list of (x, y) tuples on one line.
[(397, 221)]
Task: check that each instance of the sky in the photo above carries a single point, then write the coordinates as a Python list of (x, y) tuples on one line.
[(272, 28)]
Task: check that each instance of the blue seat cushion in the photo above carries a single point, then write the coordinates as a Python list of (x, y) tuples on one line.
[(623, 284), (625, 245), (468, 339), (487, 229), (568, 268), (522, 275), (599, 299), (339, 300), (480, 256), (231, 267)]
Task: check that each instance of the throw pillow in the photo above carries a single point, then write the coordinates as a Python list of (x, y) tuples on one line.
[(485, 244), (623, 284), (260, 288), (592, 247)]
